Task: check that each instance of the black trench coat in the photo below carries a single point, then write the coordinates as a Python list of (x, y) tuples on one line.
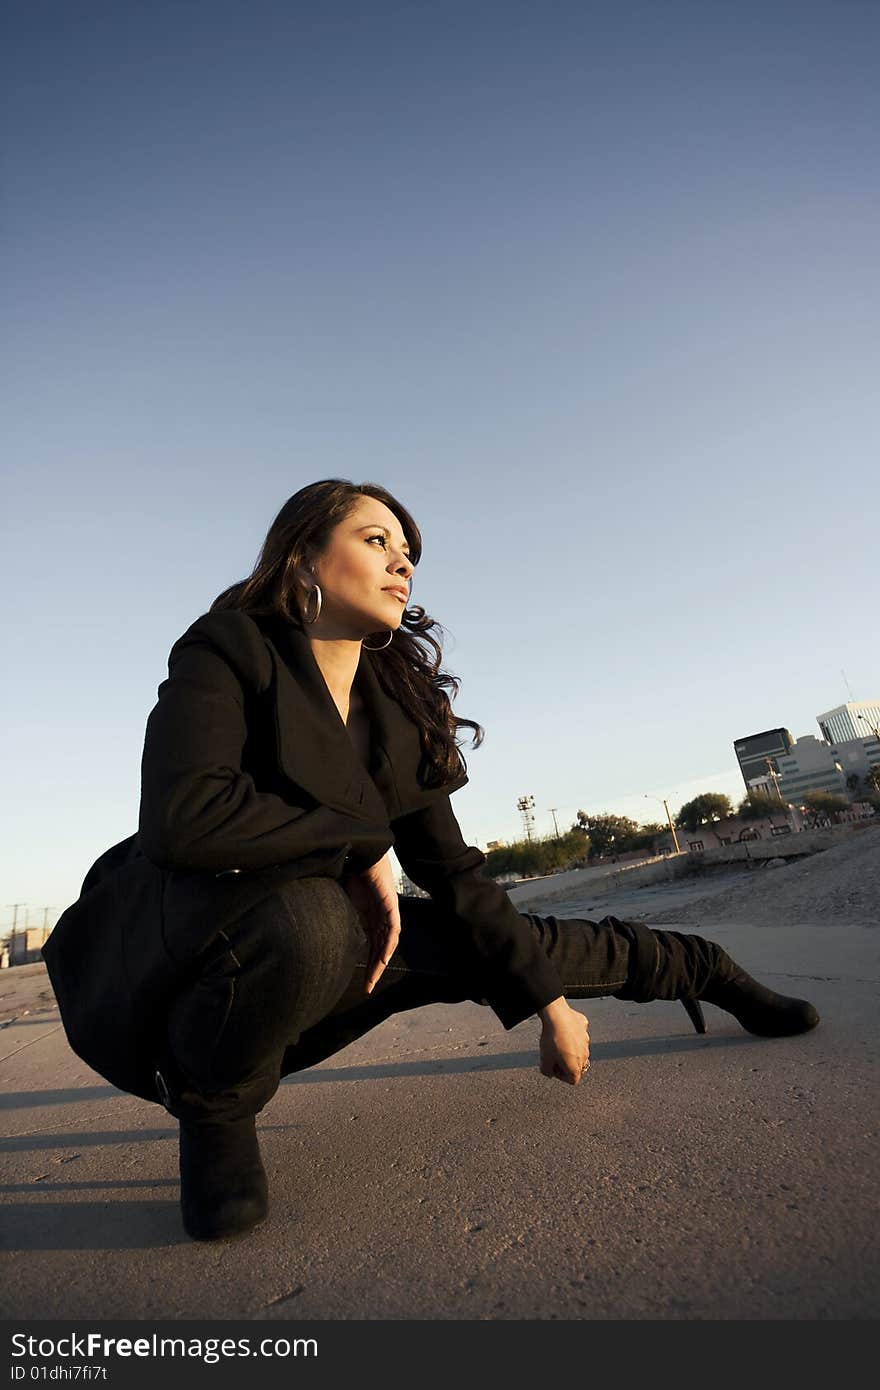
[(248, 766)]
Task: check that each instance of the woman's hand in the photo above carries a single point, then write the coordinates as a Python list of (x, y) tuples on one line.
[(565, 1042), (375, 896)]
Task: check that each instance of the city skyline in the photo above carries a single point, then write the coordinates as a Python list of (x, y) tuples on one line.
[(734, 789)]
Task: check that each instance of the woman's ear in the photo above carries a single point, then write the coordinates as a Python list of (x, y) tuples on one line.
[(304, 581), (304, 574)]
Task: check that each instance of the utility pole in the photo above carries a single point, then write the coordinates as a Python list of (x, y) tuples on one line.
[(14, 933), (553, 810), (526, 806), (774, 778)]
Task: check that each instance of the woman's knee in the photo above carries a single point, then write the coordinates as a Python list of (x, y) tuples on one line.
[(302, 926), (275, 971), (305, 943)]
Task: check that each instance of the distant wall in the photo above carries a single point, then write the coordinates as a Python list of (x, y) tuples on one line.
[(607, 879)]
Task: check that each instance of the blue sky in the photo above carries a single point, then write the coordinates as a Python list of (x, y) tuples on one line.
[(592, 288)]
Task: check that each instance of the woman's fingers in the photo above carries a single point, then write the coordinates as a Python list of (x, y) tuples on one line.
[(377, 901), (391, 943), (584, 1062), (383, 944), (375, 965)]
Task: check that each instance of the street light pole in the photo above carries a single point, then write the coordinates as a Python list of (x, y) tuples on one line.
[(672, 828), (669, 819)]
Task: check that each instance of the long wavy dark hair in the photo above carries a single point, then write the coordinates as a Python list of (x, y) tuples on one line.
[(409, 672)]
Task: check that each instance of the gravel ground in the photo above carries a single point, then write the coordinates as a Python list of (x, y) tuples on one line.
[(24, 990), (841, 884)]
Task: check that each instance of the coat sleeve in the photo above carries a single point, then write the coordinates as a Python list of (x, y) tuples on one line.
[(517, 976), (199, 808)]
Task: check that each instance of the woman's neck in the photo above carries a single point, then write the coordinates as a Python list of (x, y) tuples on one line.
[(337, 659)]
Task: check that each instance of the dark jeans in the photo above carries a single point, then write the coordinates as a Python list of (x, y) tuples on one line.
[(283, 987)]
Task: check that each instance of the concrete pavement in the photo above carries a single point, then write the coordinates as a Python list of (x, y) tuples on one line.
[(430, 1171)]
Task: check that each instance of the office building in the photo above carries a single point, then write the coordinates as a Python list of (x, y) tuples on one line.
[(857, 719), (811, 766), (753, 751)]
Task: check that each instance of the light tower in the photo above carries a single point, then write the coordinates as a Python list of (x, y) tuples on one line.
[(526, 806)]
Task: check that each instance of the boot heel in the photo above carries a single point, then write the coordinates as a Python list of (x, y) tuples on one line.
[(694, 1012), (760, 1010)]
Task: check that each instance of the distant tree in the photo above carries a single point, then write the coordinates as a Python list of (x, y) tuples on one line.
[(608, 834), (529, 857), (760, 805), (825, 803), (873, 778), (710, 806), (646, 835)]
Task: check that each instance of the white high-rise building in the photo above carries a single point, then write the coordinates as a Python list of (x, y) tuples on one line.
[(856, 719), (811, 766)]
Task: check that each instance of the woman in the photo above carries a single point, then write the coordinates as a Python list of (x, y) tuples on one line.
[(305, 728)]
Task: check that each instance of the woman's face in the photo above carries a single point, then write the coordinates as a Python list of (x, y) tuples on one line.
[(366, 558)]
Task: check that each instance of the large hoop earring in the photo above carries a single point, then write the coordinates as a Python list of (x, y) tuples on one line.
[(381, 644), (317, 590)]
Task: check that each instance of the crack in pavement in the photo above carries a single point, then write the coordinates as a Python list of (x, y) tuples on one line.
[(16, 1051)]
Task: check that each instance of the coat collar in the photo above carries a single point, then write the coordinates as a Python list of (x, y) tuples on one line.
[(314, 746)]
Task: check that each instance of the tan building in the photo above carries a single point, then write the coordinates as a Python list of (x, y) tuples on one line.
[(23, 947)]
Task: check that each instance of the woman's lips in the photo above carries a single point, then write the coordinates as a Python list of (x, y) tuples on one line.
[(400, 594)]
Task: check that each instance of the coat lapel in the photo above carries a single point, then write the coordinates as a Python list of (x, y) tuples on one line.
[(314, 747), (397, 762), (395, 747)]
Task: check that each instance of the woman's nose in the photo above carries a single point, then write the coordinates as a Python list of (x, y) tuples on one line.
[(403, 565)]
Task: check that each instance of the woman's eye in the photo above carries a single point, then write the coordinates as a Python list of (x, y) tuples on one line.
[(384, 541)]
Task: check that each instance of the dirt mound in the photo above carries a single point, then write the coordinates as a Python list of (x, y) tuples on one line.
[(841, 884)]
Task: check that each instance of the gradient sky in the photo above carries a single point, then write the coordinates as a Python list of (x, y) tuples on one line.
[(592, 287)]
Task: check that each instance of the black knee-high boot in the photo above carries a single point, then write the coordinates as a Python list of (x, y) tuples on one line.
[(678, 965)]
